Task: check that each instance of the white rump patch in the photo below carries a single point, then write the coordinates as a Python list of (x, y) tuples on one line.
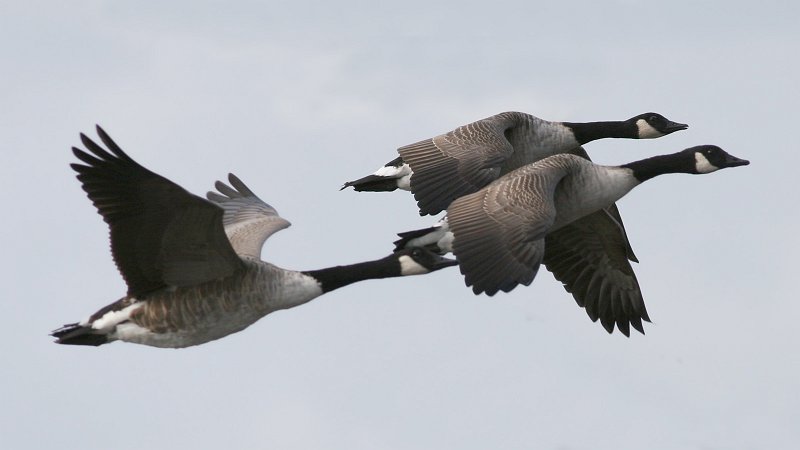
[(404, 182), (446, 242), (646, 131), (440, 235), (702, 164), (112, 318), (401, 173), (410, 267), (393, 171)]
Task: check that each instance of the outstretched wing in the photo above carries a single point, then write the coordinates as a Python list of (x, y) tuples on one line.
[(248, 220), (460, 162), (161, 235), (499, 231)]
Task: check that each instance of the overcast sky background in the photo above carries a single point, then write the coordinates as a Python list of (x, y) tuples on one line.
[(297, 97)]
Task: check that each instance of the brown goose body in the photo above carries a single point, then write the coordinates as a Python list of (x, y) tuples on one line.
[(192, 265), (193, 315)]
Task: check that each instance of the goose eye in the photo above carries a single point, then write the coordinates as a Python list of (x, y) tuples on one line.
[(653, 118), (415, 252)]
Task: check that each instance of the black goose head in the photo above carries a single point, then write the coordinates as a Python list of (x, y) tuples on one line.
[(710, 158), (653, 125), (697, 160)]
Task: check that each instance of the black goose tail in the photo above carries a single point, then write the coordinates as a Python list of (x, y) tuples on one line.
[(76, 334)]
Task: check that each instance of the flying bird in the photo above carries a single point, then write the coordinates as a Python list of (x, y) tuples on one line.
[(192, 265), (441, 169), (503, 232)]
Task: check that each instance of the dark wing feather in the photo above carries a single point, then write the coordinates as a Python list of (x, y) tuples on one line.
[(613, 214), (590, 257), (161, 235), (457, 163)]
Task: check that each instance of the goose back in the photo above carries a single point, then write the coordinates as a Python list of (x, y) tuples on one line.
[(468, 158)]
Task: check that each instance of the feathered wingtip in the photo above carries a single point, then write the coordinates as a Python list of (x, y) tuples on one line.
[(98, 151)]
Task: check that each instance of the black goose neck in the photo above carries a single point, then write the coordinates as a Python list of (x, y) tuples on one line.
[(648, 168), (590, 131), (338, 276)]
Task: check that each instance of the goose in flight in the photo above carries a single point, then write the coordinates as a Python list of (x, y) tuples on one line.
[(192, 265), (466, 159), (441, 169), (503, 232)]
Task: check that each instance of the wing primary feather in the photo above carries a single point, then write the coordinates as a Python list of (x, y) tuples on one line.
[(112, 146)]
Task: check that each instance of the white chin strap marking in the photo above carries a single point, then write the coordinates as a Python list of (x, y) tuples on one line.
[(702, 164), (410, 267), (646, 131)]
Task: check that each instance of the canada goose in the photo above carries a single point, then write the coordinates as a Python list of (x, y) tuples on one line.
[(501, 234), (192, 265), (440, 169), (470, 157)]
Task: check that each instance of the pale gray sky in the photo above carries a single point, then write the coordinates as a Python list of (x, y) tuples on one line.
[(297, 97)]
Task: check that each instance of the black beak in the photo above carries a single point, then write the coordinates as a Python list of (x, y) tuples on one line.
[(672, 127), (732, 161), (441, 262)]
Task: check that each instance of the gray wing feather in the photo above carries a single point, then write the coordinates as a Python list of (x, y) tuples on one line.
[(499, 231), (248, 220), (459, 162)]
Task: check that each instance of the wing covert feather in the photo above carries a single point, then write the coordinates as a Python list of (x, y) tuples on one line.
[(459, 162), (499, 231)]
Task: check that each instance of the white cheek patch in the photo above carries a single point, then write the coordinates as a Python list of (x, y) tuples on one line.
[(410, 267), (702, 164), (646, 131)]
